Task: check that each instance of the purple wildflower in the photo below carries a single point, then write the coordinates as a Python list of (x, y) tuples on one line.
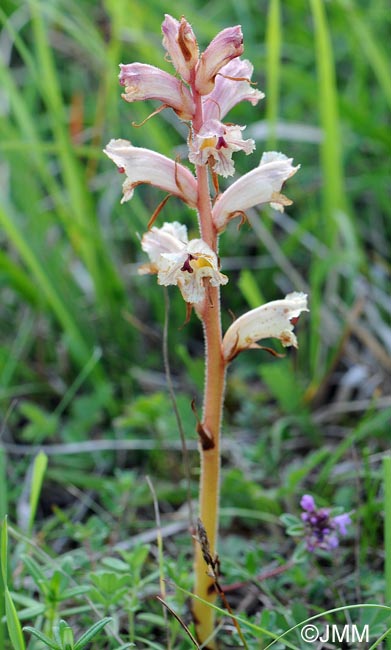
[(307, 503), (341, 522), (321, 529)]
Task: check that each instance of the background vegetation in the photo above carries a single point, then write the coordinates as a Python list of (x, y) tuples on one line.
[(81, 371)]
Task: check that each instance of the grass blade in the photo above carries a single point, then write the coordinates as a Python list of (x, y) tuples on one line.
[(78, 347), (18, 279), (273, 59), (375, 55), (4, 551), (13, 623), (331, 154), (3, 509), (91, 245), (387, 533), (3, 483), (39, 468)]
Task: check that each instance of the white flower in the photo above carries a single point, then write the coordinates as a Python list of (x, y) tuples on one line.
[(142, 81), (145, 166), (261, 185), (190, 265), (219, 141), (273, 320)]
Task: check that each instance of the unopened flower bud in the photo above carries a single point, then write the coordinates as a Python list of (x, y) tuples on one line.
[(181, 44), (227, 45)]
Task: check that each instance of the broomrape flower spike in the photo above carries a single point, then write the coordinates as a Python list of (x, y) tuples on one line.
[(203, 89)]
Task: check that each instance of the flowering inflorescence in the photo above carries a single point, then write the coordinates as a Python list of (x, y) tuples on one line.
[(204, 88), (202, 92), (322, 530)]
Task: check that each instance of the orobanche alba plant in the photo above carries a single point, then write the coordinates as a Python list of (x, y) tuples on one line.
[(203, 89)]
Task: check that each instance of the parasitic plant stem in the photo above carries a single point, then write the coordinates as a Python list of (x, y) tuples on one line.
[(214, 385), (205, 87)]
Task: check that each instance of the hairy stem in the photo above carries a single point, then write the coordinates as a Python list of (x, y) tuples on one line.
[(211, 423)]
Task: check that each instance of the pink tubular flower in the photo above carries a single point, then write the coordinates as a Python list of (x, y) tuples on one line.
[(261, 185), (274, 320), (145, 166), (188, 264), (232, 86), (143, 81), (227, 45), (181, 45), (219, 141)]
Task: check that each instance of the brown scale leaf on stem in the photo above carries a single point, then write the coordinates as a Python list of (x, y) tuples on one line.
[(206, 439)]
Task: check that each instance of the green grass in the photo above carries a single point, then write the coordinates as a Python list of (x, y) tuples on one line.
[(81, 332)]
